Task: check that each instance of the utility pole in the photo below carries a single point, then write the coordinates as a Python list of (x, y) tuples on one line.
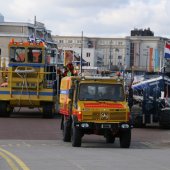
[(81, 56), (35, 25)]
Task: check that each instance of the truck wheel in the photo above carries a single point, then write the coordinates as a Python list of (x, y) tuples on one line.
[(125, 139), (76, 136), (66, 130), (4, 112), (48, 110), (110, 139)]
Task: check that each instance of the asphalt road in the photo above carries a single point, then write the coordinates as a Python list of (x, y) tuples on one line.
[(31, 142)]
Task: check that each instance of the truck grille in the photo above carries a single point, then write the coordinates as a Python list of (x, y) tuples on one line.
[(103, 115)]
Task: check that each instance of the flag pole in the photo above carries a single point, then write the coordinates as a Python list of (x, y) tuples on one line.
[(163, 71)]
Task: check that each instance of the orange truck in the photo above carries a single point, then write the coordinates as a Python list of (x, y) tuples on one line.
[(94, 105)]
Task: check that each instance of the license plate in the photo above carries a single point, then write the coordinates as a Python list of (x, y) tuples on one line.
[(106, 126)]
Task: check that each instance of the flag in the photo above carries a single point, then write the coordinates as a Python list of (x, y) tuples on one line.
[(167, 50), (31, 38), (156, 60), (68, 57)]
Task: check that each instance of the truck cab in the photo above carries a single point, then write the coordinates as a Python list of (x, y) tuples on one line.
[(94, 105)]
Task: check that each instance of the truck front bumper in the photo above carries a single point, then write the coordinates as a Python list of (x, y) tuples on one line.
[(114, 126)]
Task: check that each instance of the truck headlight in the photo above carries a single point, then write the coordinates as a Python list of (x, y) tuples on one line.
[(84, 125), (124, 126)]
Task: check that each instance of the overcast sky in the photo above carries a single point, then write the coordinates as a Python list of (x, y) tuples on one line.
[(101, 18)]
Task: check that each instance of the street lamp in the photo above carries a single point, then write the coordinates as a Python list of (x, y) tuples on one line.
[(111, 57), (81, 56)]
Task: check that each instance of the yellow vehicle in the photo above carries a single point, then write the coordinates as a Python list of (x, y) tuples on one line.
[(30, 79), (94, 105)]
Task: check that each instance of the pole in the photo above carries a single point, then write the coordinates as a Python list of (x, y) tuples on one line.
[(110, 56), (81, 56), (163, 77), (0, 58), (35, 24)]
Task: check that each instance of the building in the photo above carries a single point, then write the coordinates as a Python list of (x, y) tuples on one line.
[(136, 53), (1, 18), (74, 43), (98, 52), (21, 32), (146, 53), (141, 32), (140, 52)]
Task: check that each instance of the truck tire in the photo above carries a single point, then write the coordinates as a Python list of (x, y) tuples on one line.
[(4, 106), (76, 136), (48, 110), (66, 130), (125, 139)]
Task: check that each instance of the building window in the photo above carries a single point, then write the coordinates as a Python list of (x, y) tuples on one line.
[(87, 54), (70, 41), (78, 41), (120, 43), (61, 41)]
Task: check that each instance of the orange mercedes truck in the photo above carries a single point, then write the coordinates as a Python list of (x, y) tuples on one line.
[(94, 105)]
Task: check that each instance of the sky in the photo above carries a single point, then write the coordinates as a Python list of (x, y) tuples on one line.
[(96, 18)]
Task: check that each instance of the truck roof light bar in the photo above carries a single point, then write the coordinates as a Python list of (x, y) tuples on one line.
[(118, 78)]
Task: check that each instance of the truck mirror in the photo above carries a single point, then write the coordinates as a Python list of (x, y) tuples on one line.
[(71, 93)]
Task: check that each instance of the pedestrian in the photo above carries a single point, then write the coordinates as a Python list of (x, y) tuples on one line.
[(130, 97)]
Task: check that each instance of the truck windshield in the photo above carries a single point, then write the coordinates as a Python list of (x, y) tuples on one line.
[(34, 55), (101, 92), (17, 54)]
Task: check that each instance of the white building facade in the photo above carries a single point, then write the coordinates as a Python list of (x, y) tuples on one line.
[(137, 53)]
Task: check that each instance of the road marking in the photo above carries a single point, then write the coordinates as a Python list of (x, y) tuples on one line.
[(43, 144), (21, 164), (28, 145), (16, 145), (146, 143), (9, 161)]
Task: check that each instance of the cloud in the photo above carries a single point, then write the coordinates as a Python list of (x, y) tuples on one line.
[(94, 17)]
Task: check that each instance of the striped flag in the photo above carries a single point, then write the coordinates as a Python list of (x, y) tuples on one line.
[(167, 50)]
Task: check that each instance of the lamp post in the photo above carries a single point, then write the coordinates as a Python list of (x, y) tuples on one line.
[(132, 74), (110, 55), (147, 61), (81, 56), (147, 57), (111, 58)]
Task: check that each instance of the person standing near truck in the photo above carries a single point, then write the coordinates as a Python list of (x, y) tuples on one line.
[(130, 97)]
